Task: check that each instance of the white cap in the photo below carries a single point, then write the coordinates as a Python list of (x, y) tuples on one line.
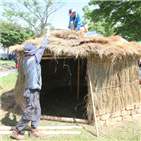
[(71, 11)]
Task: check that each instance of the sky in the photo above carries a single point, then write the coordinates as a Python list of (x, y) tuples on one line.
[(60, 19)]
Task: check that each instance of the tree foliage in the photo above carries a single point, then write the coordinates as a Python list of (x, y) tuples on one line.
[(11, 36), (34, 13), (102, 26), (125, 14)]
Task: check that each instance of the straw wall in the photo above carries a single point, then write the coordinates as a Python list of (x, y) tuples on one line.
[(115, 85), (20, 84)]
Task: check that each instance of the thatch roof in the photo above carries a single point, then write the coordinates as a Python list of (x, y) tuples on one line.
[(74, 43)]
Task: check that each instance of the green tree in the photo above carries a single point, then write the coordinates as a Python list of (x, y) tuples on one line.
[(125, 14), (11, 35), (35, 13), (102, 26)]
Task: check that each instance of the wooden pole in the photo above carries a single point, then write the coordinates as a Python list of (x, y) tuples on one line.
[(73, 120), (71, 85), (78, 78), (1, 87), (49, 58), (93, 104)]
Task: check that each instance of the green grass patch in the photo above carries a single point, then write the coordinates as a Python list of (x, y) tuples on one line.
[(126, 131), (7, 63), (122, 131), (8, 82)]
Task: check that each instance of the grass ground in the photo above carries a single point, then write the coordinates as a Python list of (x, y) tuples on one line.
[(9, 116), (7, 63), (123, 131), (8, 82)]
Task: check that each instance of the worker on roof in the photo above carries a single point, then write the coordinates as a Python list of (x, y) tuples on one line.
[(32, 72), (75, 21)]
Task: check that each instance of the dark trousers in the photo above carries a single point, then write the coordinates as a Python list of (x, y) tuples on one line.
[(32, 111)]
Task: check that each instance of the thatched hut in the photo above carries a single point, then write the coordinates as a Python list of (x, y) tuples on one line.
[(111, 63)]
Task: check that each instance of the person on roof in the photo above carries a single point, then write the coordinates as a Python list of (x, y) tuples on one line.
[(32, 71), (75, 21)]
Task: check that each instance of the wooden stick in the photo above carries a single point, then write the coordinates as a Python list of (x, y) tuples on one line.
[(73, 120), (47, 54), (48, 58), (78, 77), (59, 55), (42, 127), (86, 30), (45, 132), (93, 104), (71, 85), (1, 87)]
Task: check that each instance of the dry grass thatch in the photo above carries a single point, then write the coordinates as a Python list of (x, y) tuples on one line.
[(112, 65), (74, 43), (114, 86), (20, 84)]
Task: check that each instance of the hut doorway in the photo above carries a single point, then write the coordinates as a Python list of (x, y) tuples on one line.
[(60, 95)]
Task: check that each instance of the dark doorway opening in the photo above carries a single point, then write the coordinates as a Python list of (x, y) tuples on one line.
[(59, 90)]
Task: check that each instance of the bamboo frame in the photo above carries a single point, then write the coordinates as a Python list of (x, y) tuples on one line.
[(50, 54), (65, 119), (93, 104), (49, 58), (47, 54), (78, 78)]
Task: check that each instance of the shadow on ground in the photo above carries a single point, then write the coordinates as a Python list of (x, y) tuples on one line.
[(7, 121), (59, 102), (9, 109)]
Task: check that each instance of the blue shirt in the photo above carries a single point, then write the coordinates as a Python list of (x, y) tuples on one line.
[(77, 21), (32, 68)]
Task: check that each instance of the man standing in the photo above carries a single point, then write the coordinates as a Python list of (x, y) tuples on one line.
[(75, 21), (32, 71)]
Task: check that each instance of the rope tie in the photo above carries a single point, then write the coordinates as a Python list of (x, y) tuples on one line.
[(117, 86)]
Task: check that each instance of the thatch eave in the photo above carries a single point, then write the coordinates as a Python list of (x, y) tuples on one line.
[(75, 44)]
